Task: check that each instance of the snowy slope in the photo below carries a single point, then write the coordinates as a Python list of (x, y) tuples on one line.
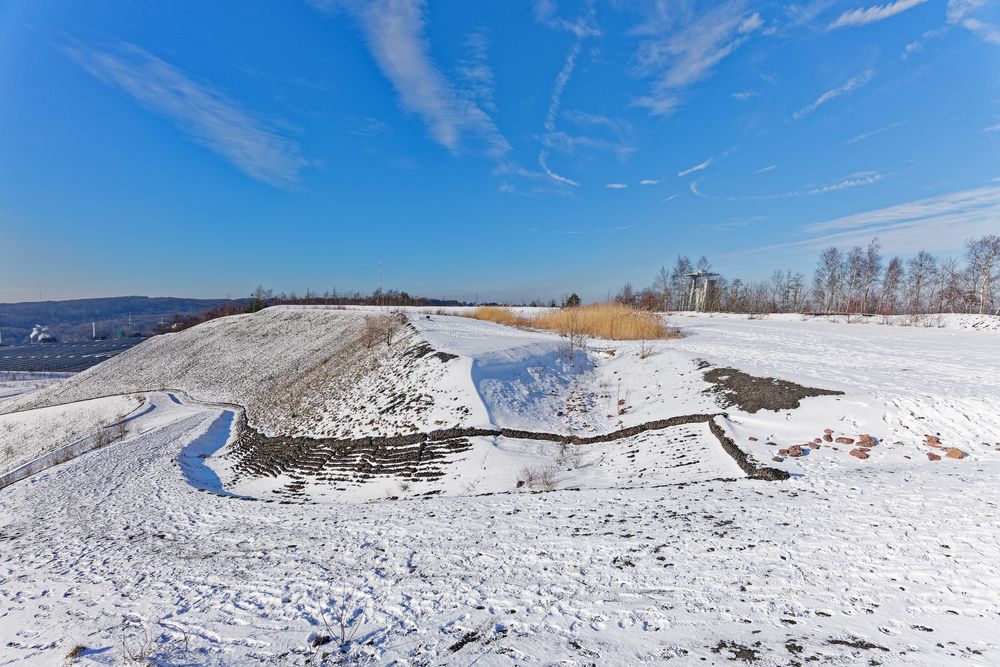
[(843, 569), (27, 435), (650, 548), (297, 371)]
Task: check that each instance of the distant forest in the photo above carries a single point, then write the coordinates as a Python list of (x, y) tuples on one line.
[(859, 281)]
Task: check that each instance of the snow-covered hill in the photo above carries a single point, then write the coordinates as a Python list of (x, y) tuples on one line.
[(512, 549)]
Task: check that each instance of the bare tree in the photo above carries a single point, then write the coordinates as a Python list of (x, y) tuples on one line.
[(891, 283), (827, 278), (679, 281), (853, 268), (871, 269), (662, 285), (983, 256), (921, 272)]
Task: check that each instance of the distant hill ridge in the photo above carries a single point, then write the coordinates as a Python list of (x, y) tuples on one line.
[(71, 320)]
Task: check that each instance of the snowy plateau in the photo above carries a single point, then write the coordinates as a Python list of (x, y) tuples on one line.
[(277, 488)]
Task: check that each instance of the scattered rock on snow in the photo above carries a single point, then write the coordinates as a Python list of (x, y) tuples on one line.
[(859, 453), (933, 457), (955, 453), (795, 450), (845, 441)]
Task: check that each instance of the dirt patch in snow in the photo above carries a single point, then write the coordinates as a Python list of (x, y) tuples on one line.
[(750, 393)]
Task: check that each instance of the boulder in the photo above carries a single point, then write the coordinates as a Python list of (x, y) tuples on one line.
[(752, 439), (931, 456), (828, 431), (955, 453), (859, 453), (828, 437), (845, 441), (795, 451)]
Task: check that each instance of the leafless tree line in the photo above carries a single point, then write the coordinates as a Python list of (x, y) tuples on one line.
[(859, 281)]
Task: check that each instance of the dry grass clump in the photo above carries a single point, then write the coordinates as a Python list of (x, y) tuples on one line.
[(500, 315), (611, 321)]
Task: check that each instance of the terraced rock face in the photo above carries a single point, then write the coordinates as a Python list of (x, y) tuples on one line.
[(485, 460)]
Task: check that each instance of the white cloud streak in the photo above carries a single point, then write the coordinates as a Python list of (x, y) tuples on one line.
[(251, 144), (583, 26), (697, 167), (764, 170), (936, 224), (560, 85), (848, 86), (648, 181), (867, 135), (394, 32), (873, 14), (857, 180), (616, 186), (680, 51), (543, 158), (965, 13), (545, 13)]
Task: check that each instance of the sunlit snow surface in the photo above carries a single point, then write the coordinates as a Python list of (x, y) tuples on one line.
[(891, 560)]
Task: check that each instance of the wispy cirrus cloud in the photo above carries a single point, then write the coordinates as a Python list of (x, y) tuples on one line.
[(968, 14), (475, 70), (648, 181), (255, 146), (581, 27), (764, 170), (394, 33), (680, 48), (936, 223), (616, 186), (851, 84), (855, 180), (867, 135), (873, 14), (698, 167)]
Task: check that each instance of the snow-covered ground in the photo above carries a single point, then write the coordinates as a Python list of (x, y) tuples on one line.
[(651, 548), (27, 435), (16, 383)]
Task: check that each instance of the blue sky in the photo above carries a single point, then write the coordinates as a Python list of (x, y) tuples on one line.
[(507, 149)]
